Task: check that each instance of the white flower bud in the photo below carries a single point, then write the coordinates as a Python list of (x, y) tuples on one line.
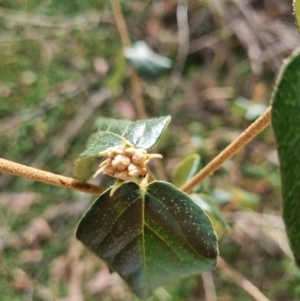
[(134, 173), (120, 162), (125, 161), (138, 157), (133, 170), (116, 151), (129, 151), (109, 171)]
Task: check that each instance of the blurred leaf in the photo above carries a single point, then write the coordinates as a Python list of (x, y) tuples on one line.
[(38, 230), (242, 102), (286, 127), (239, 197), (221, 196), (19, 202), (206, 203), (297, 12), (243, 199), (151, 236), (186, 169), (145, 61), (143, 134), (262, 171), (255, 110)]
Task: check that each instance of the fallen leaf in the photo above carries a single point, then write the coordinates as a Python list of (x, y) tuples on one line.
[(28, 77), (101, 66), (101, 281), (28, 256), (60, 268), (43, 292), (19, 202), (37, 231), (5, 91), (21, 281)]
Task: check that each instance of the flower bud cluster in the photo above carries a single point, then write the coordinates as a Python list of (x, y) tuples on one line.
[(125, 162)]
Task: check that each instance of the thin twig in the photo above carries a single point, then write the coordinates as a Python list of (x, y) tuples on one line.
[(257, 22), (134, 79), (255, 128), (209, 286), (239, 279), (31, 173), (210, 39), (183, 48)]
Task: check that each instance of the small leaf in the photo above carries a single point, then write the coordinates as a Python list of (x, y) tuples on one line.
[(186, 169), (286, 126), (143, 134), (145, 61), (243, 199), (151, 236), (297, 12), (206, 203), (255, 110), (221, 196), (98, 142), (116, 126)]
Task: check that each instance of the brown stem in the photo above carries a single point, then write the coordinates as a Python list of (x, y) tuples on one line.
[(238, 278), (209, 286), (31, 173), (134, 79), (137, 91), (256, 127)]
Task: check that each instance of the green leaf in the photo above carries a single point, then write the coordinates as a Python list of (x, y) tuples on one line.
[(186, 169), (206, 203), (143, 134), (242, 199), (221, 196), (254, 111), (98, 142), (116, 126), (151, 236), (286, 126), (145, 61), (297, 12)]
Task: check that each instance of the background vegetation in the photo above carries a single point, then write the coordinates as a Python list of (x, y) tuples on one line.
[(61, 67)]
